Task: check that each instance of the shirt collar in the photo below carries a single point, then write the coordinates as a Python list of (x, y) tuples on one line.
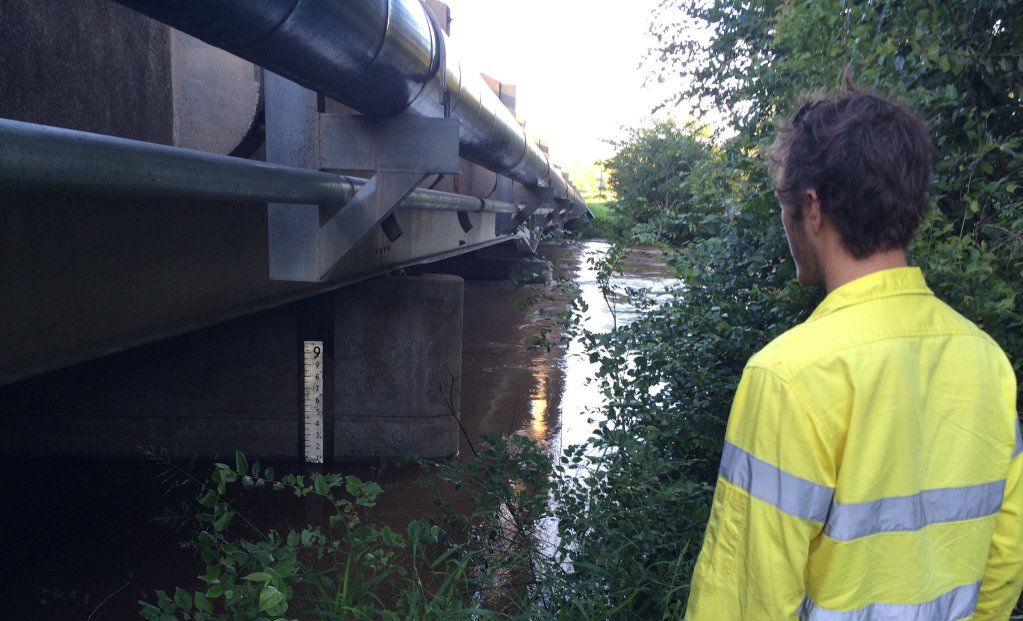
[(874, 286)]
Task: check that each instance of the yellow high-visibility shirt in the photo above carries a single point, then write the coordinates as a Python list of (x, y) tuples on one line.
[(871, 469)]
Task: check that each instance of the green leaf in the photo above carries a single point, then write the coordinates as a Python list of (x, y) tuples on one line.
[(183, 599), (165, 603), (209, 499), (258, 576), (202, 604), (148, 611), (206, 539), (212, 575), (269, 598), (221, 523), (241, 464)]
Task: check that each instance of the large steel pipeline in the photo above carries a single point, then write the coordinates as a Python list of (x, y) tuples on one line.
[(379, 57), (40, 157)]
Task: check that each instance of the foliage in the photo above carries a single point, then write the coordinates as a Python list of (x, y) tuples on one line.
[(959, 63), (648, 175), (636, 518), (496, 505), (601, 226), (345, 568), (599, 209)]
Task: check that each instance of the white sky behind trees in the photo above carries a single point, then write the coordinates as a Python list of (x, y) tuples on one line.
[(576, 64)]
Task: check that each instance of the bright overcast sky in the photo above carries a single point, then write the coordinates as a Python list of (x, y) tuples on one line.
[(576, 64)]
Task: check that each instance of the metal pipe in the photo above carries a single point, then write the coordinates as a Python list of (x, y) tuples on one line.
[(379, 57), (41, 157)]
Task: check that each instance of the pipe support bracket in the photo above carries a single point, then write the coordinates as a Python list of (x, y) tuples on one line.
[(307, 243)]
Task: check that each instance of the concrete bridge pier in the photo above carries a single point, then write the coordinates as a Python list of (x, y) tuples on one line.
[(397, 367), (393, 359)]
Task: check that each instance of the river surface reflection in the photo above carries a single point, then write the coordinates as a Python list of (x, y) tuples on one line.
[(83, 539), (580, 399)]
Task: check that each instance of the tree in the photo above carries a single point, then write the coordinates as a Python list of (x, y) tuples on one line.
[(959, 63), (649, 174)]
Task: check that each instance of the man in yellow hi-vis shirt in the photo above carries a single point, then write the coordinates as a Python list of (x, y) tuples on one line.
[(871, 468)]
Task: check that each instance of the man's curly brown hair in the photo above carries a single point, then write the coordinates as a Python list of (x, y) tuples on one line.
[(868, 159)]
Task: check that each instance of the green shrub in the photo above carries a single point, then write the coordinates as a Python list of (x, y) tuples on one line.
[(345, 568), (648, 174), (633, 524)]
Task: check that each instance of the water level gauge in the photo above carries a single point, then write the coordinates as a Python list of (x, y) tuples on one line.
[(312, 354)]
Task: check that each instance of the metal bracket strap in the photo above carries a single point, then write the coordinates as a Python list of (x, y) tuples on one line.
[(401, 151), (370, 206), (557, 215), (534, 199)]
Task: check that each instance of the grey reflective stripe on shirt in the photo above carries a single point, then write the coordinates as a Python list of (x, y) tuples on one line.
[(958, 603), (793, 495), (908, 513), (1019, 441)]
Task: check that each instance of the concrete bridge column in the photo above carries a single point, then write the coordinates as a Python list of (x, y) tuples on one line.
[(397, 367)]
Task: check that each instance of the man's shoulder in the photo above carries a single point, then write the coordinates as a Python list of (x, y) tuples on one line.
[(851, 329), (793, 350)]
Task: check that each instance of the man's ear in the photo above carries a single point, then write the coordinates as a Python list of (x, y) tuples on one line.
[(812, 211)]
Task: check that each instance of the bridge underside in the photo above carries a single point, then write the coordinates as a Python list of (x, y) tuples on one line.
[(86, 275), (134, 321)]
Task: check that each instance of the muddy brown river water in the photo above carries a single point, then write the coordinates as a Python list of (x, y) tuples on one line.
[(87, 539)]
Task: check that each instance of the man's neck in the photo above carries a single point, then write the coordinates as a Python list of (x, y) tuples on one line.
[(845, 268)]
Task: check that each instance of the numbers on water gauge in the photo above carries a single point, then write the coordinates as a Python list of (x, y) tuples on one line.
[(313, 401)]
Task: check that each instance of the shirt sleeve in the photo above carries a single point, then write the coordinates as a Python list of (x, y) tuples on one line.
[(774, 489), (1003, 575)]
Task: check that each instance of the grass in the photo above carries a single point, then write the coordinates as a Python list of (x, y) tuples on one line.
[(599, 227), (600, 209)]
